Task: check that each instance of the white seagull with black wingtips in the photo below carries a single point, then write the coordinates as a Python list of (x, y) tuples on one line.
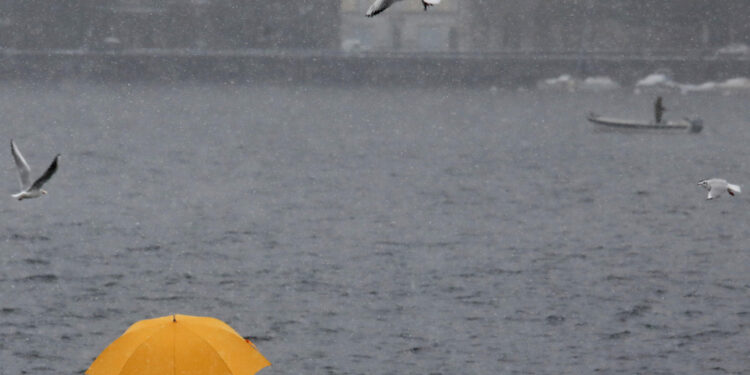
[(30, 190), (381, 5)]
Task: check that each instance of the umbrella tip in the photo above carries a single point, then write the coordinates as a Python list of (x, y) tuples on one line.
[(174, 317)]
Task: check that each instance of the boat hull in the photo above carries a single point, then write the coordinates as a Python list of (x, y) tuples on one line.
[(690, 125)]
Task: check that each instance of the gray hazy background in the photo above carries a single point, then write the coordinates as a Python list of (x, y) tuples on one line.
[(466, 26), (459, 42), (357, 200)]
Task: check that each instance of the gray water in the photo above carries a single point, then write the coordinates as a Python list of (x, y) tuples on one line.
[(378, 231)]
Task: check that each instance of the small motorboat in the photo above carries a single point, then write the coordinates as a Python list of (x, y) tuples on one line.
[(694, 125)]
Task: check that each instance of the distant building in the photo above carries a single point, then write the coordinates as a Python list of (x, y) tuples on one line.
[(623, 26), (498, 25), (560, 26), (698, 27), (405, 26), (237, 24)]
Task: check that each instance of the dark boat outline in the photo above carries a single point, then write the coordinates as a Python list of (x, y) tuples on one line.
[(692, 125)]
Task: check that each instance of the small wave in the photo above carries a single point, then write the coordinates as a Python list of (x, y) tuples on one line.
[(162, 298), (636, 311), (229, 238), (658, 327), (473, 298), (34, 354), (705, 336), (36, 261), (258, 338), (95, 315), (415, 349), (39, 369), (555, 320), (361, 358), (70, 224), (149, 248), (617, 278), (26, 238), (44, 278), (618, 335)]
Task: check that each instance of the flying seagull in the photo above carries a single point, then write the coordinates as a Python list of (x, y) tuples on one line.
[(716, 187), (381, 5), (30, 190)]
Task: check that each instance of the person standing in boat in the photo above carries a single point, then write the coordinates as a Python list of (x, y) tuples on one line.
[(658, 109)]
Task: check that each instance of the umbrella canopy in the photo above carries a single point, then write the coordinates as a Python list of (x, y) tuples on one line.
[(179, 345)]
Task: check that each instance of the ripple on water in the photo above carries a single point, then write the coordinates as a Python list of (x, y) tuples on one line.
[(618, 335), (636, 311), (26, 238), (36, 261), (519, 246), (40, 278), (705, 336), (144, 249), (8, 310)]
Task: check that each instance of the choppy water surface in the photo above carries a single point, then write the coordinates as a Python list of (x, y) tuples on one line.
[(378, 231)]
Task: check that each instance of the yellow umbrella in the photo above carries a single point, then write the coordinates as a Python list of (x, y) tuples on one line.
[(179, 345)]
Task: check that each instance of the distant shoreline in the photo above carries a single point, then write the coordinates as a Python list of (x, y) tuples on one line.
[(368, 68)]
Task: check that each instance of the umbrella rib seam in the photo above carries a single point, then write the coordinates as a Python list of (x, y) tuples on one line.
[(138, 346), (224, 361)]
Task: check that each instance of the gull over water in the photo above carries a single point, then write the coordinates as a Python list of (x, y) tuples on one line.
[(381, 5), (28, 189), (717, 186)]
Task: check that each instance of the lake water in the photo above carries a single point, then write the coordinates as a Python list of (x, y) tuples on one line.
[(378, 230)]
